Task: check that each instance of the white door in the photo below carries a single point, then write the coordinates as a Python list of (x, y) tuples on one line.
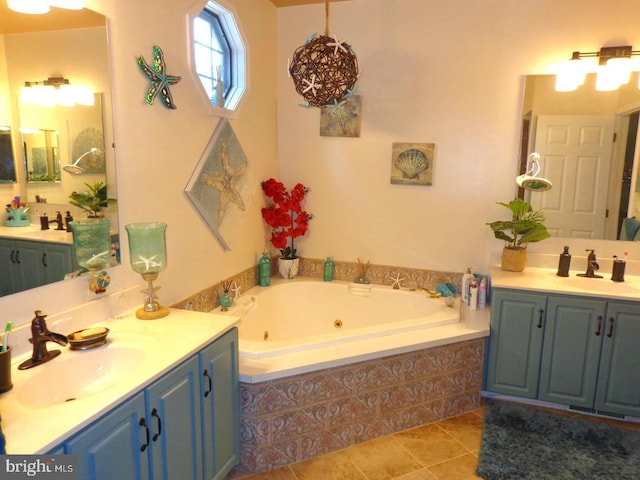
[(575, 154)]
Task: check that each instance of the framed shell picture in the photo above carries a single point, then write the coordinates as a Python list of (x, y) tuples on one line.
[(412, 163)]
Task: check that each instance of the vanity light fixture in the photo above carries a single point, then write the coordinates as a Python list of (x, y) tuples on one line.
[(36, 7), (56, 91), (613, 68)]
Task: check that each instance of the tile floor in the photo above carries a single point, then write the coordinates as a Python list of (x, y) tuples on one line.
[(444, 450)]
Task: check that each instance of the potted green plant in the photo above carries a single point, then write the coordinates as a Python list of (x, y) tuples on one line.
[(93, 200), (524, 227)]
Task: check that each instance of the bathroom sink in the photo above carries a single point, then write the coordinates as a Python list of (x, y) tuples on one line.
[(77, 375), (604, 285)]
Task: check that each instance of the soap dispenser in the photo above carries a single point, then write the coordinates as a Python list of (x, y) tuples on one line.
[(564, 263)]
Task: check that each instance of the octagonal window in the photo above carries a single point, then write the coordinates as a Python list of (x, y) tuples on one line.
[(218, 56)]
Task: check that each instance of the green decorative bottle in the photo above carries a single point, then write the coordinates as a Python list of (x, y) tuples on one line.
[(264, 270), (328, 269)]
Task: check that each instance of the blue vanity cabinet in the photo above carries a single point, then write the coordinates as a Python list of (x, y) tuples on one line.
[(571, 354), (57, 260), (618, 388), (515, 346), (220, 406), (175, 423), (115, 446)]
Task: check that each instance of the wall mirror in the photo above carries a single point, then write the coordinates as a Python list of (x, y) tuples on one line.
[(587, 143), (47, 141), (7, 159)]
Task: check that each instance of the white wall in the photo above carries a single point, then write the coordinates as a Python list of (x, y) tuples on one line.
[(443, 72)]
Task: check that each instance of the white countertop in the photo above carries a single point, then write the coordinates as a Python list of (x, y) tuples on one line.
[(546, 280), (33, 232), (164, 343)]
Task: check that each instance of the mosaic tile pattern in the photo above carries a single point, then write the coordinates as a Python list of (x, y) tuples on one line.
[(292, 419), (207, 299)]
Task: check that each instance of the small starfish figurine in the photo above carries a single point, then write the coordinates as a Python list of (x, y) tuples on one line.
[(397, 281), (235, 288), (160, 80)]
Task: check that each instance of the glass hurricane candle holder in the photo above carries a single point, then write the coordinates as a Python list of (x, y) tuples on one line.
[(148, 257), (91, 243)]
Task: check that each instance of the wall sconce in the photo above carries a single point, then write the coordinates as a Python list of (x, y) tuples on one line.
[(55, 91), (42, 6), (613, 69)]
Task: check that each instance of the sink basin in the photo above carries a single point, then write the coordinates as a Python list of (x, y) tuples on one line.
[(77, 375), (604, 285)]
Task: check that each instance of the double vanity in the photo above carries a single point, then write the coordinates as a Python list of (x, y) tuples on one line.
[(572, 341), (159, 400)]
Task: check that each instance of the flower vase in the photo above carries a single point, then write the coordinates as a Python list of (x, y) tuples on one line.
[(288, 267), (225, 301)]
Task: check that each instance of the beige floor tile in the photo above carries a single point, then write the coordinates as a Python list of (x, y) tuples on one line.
[(383, 459), (332, 466), (465, 428), (282, 473), (430, 444), (422, 474), (461, 468)]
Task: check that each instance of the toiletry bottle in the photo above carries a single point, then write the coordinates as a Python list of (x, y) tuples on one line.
[(466, 284), (482, 293), (473, 295), (617, 274), (564, 263), (67, 219), (264, 270), (328, 269)]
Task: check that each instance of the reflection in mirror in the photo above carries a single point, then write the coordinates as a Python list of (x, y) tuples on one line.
[(587, 145), (35, 49), (40, 150), (7, 161)]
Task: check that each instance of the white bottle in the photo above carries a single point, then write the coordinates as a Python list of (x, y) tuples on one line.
[(482, 294), (473, 296), (466, 285)]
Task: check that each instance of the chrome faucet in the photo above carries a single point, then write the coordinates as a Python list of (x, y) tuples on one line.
[(592, 265), (40, 335)]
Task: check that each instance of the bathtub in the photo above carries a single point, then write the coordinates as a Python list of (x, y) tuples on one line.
[(302, 325)]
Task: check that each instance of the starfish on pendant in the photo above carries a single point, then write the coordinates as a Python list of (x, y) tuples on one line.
[(160, 80), (338, 44), (225, 183), (312, 85)]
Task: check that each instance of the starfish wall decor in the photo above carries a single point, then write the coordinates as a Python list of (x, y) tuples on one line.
[(160, 79)]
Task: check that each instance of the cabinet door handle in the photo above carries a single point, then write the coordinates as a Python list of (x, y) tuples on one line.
[(143, 423), (210, 381), (541, 312), (154, 413), (599, 330), (44, 260), (611, 322), (17, 256), (13, 256)]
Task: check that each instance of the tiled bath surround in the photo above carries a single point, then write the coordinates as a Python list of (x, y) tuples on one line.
[(296, 418), (299, 417)]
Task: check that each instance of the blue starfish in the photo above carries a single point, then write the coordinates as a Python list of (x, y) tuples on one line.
[(160, 81)]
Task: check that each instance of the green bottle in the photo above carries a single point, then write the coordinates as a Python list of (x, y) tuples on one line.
[(264, 271), (328, 270)]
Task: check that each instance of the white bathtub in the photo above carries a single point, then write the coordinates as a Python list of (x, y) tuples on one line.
[(298, 316), (290, 316)]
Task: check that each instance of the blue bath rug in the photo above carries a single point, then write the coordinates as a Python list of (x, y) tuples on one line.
[(521, 442)]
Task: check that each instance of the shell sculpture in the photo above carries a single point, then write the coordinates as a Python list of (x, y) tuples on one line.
[(412, 162)]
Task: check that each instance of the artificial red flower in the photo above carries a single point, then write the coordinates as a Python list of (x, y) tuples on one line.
[(285, 215)]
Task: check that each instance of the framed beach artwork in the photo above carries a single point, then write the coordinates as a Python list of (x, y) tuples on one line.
[(412, 163), (341, 120), (220, 186), (87, 144)]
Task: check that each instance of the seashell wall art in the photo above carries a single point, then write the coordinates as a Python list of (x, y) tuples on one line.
[(412, 163)]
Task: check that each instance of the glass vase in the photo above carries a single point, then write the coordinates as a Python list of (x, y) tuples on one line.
[(91, 242)]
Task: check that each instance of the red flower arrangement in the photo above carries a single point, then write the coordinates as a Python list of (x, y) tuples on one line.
[(285, 215)]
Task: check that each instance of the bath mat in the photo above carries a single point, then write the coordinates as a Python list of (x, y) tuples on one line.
[(521, 442)]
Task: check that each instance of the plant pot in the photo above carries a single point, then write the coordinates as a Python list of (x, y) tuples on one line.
[(288, 268), (514, 259)]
